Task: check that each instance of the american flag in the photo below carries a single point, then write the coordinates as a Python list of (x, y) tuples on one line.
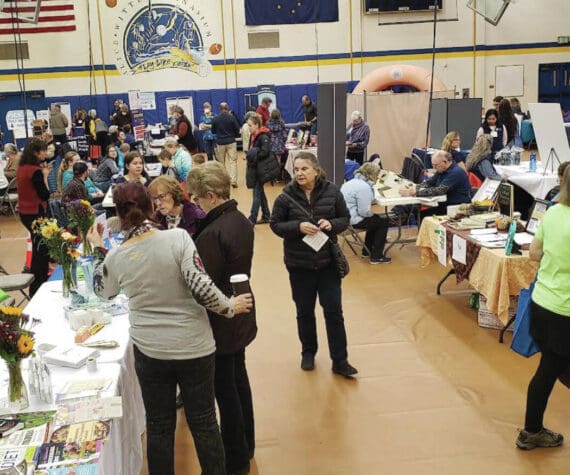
[(55, 16)]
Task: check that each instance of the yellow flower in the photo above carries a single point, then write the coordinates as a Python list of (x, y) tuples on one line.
[(11, 311), (25, 345), (85, 203), (73, 253), (67, 236)]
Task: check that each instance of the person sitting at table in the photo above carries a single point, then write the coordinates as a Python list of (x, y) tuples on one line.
[(554, 194), (480, 159), (449, 180), (357, 138), (494, 127), (452, 144), (359, 196), (550, 318), (106, 169), (199, 159), (94, 194), (76, 189), (181, 158), (134, 169), (173, 343), (168, 167), (172, 210)]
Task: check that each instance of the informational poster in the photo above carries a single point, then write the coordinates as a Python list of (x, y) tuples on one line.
[(16, 122), (441, 245), (138, 124), (185, 102), (459, 253), (147, 101), (134, 100), (43, 114)]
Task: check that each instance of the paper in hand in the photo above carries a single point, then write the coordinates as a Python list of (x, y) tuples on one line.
[(316, 241)]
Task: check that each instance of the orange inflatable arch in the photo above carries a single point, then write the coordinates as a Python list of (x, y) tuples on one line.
[(398, 75)]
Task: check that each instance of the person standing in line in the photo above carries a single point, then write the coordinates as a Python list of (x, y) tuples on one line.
[(205, 126), (550, 317), (58, 123), (263, 110), (493, 127), (225, 253), (226, 128), (308, 205), (245, 132), (357, 137), (33, 194), (310, 114), (169, 293), (278, 136)]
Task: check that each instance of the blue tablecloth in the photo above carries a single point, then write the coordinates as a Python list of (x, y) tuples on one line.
[(527, 131)]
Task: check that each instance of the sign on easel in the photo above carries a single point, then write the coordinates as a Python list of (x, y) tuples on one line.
[(550, 135), (506, 199)]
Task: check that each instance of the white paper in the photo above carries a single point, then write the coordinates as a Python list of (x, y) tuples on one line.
[(441, 245), (479, 232), (147, 100), (523, 238), (316, 241), (459, 253)]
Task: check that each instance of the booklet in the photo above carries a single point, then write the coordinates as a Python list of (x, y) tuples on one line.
[(72, 355)]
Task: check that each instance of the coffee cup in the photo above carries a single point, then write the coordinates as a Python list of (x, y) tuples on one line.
[(240, 284)]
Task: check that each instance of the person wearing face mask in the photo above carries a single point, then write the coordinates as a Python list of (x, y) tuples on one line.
[(205, 126), (33, 193), (123, 118), (495, 128)]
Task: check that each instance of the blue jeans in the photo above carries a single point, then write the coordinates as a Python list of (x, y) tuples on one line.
[(305, 286), (259, 200), (209, 148), (158, 380)]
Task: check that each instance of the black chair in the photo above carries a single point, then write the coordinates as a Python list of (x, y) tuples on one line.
[(413, 168)]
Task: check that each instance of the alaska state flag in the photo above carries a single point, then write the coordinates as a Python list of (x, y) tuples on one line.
[(281, 12)]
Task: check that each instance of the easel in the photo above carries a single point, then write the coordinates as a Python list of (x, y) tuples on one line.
[(552, 155)]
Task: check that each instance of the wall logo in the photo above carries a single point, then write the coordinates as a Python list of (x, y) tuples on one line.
[(161, 36)]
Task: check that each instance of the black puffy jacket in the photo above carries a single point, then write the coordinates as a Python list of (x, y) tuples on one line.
[(327, 203), (262, 166)]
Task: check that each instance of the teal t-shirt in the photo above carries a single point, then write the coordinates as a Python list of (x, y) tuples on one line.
[(552, 289), (68, 176)]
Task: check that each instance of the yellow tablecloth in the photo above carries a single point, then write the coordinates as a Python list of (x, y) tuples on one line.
[(494, 275)]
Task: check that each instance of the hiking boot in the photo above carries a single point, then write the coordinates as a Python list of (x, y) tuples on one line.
[(344, 368), (308, 362), (545, 438)]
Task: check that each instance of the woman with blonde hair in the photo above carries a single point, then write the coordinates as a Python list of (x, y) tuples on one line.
[(359, 196), (480, 159), (308, 205), (452, 144), (550, 317), (224, 240)]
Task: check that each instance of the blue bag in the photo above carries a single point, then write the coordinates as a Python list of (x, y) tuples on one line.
[(523, 343)]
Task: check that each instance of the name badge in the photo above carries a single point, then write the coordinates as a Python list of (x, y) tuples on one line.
[(494, 134)]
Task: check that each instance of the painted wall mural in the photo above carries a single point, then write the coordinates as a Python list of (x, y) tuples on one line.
[(161, 36)]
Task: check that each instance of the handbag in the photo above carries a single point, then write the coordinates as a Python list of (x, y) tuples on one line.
[(339, 259), (523, 343)]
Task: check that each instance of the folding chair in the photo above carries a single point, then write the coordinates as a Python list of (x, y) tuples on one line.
[(16, 282), (10, 198), (352, 237)]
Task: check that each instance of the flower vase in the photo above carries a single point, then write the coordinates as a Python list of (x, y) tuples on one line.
[(87, 248), (17, 391), (86, 264), (69, 277)]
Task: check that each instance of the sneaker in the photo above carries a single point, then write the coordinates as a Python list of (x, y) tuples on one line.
[(545, 438), (381, 260), (263, 221), (344, 368), (308, 362)]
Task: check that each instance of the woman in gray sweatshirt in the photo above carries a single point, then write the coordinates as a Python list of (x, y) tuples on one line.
[(162, 275)]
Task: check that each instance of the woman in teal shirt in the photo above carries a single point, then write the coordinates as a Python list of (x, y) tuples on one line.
[(95, 194), (550, 321)]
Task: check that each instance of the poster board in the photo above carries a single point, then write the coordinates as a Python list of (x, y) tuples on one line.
[(509, 80), (536, 215), (15, 121), (185, 102), (148, 101), (550, 134), (487, 190), (66, 109), (506, 199)]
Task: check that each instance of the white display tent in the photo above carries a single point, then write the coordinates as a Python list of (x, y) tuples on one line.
[(397, 122)]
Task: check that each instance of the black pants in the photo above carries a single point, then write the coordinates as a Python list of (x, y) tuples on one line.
[(40, 255), (60, 138), (356, 155), (551, 366), (376, 231), (195, 377), (233, 394), (305, 286)]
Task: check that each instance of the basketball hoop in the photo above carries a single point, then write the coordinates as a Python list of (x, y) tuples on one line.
[(23, 10)]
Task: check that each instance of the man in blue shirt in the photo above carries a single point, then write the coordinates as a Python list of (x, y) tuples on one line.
[(449, 180)]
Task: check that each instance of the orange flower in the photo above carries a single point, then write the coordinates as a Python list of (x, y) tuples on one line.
[(25, 345)]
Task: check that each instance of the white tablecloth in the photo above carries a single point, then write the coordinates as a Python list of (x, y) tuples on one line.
[(293, 153), (535, 183), (122, 454)]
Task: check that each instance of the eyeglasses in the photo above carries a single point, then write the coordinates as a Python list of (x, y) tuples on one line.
[(160, 197)]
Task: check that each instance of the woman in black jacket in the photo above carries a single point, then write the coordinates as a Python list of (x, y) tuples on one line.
[(262, 167), (308, 205), (224, 239)]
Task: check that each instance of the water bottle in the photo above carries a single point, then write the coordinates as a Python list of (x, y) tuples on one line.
[(532, 163)]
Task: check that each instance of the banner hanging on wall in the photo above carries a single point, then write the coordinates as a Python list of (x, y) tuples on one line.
[(280, 12)]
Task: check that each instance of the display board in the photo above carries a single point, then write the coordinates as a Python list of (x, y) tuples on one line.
[(550, 135), (506, 199), (185, 102)]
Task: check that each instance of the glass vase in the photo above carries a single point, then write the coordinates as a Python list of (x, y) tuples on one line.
[(86, 264), (69, 270), (87, 248), (17, 391)]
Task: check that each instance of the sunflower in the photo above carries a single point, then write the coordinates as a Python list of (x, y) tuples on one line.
[(11, 311), (85, 203), (73, 253), (25, 345)]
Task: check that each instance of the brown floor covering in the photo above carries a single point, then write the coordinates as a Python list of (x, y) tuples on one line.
[(435, 394)]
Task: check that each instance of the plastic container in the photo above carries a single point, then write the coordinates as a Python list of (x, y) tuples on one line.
[(532, 162)]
